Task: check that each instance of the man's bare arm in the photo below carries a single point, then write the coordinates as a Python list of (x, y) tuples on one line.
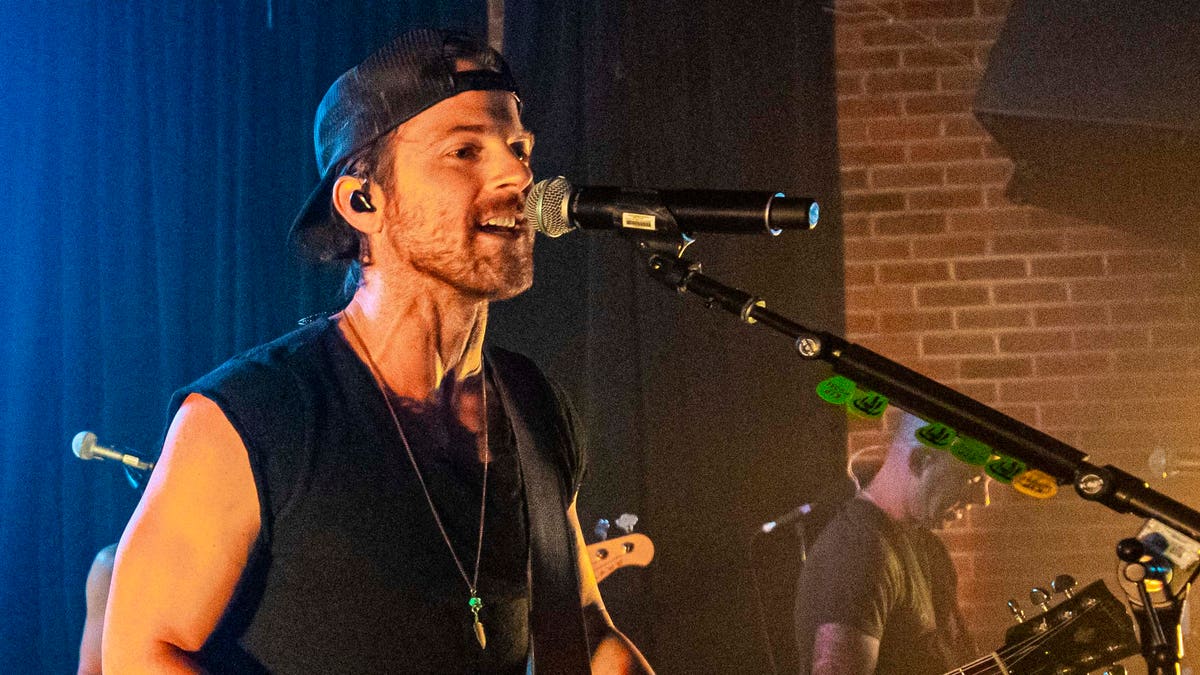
[(612, 652), (842, 650), (96, 593), (184, 549)]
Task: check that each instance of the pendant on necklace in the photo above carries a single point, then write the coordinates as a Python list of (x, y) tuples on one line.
[(476, 604)]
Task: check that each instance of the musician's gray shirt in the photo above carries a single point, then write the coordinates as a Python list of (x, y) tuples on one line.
[(889, 580)]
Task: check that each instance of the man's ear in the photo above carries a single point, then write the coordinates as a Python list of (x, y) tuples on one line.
[(355, 201)]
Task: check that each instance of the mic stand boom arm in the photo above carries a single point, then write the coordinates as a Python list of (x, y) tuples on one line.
[(928, 399)]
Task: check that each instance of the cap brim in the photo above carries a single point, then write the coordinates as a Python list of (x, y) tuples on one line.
[(313, 229)]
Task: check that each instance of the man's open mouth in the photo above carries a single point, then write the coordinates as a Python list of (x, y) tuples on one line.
[(502, 225)]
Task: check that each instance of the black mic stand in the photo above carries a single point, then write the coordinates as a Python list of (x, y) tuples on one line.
[(930, 400), (1157, 583), (1156, 605)]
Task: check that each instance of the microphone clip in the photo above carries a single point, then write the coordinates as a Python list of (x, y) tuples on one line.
[(653, 243)]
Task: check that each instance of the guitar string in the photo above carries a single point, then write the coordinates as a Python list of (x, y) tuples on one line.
[(1022, 649), (1013, 654), (1031, 646), (987, 665)]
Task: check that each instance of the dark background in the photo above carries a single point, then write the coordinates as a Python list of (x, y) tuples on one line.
[(157, 151)]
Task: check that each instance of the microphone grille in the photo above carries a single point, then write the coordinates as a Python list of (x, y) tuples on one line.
[(546, 206), (83, 444)]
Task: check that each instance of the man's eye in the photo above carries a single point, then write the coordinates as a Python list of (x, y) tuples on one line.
[(466, 152), (520, 151)]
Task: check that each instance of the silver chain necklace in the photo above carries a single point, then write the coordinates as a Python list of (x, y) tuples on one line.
[(474, 603)]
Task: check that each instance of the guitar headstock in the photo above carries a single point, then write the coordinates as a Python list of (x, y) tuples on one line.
[(612, 554), (1085, 632)]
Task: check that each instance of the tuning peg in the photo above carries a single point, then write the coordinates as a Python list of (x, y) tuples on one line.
[(1018, 615), (626, 521), (1065, 584), (1040, 597), (602, 527)]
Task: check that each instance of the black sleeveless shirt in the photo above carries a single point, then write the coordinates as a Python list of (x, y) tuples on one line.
[(350, 573)]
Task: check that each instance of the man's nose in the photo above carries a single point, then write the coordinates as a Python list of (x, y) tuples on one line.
[(511, 172)]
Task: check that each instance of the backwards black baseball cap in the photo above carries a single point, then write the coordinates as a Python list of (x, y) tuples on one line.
[(404, 78)]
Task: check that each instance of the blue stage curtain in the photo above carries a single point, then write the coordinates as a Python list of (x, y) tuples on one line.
[(153, 155)]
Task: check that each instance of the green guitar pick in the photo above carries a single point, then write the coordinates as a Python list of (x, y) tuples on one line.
[(837, 390), (971, 451), (867, 404), (1004, 469), (936, 435)]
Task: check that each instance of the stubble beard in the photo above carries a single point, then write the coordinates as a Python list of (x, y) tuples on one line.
[(436, 246)]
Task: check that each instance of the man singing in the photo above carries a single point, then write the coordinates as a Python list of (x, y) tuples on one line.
[(378, 492)]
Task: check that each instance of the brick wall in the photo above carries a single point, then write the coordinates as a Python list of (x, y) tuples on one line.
[(1085, 333)]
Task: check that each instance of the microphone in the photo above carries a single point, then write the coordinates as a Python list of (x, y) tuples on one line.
[(787, 518), (556, 207), (85, 447), (1167, 463)]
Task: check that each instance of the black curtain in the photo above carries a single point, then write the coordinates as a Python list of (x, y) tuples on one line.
[(154, 155), (157, 151), (702, 426)]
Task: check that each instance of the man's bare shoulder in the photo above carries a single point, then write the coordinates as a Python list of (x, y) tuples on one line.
[(100, 574), (104, 557), (201, 422), (204, 461)]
